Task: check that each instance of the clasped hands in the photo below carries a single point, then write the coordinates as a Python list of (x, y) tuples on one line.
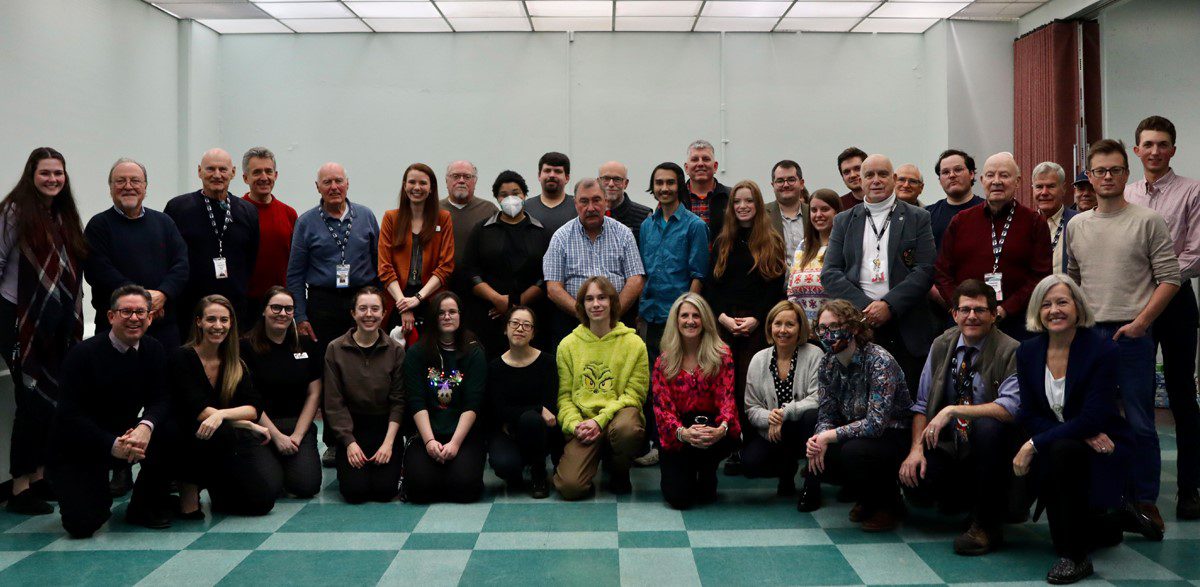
[(131, 446)]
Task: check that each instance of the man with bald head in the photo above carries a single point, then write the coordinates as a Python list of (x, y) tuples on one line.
[(909, 184), (880, 258), (1002, 243), (222, 239), (614, 180)]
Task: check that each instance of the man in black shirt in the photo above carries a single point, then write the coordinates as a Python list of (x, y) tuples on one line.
[(614, 180), (956, 172)]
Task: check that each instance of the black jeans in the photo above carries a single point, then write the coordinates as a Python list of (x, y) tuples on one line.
[(82, 488), (234, 466), (689, 475), (301, 472), (1074, 528), (1175, 331), (34, 412), (763, 458), (458, 481), (869, 467), (526, 444), (372, 482), (888, 336), (981, 480)]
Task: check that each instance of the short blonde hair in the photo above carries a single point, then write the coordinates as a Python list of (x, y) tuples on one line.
[(1085, 317), (788, 306)]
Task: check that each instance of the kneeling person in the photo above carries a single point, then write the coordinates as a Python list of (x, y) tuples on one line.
[(963, 435)]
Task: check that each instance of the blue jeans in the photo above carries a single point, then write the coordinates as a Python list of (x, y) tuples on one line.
[(1135, 378)]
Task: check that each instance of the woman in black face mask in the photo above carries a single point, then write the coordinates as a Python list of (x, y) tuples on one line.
[(862, 421)]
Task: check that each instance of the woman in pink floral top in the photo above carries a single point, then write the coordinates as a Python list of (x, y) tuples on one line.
[(693, 403), (804, 276)]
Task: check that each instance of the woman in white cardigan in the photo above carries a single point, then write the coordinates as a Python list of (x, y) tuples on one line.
[(781, 398)]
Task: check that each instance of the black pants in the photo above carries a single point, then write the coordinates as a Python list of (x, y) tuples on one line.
[(458, 481), (983, 478), (869, 467), (652, 335), (372, 482), (329, 315), (238, 471), (689, 475), (743, 348), (34, 412), (888, 336), (1074, 527), (301, 472), (763, 458), (82, 488), (1175, 330), (526, 444)]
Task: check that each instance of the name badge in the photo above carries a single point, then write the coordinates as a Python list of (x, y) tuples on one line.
[(343, 275), (994, 279), (220, 267), (300, 356)]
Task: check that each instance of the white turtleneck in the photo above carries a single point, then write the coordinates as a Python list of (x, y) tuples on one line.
[(878, 212)]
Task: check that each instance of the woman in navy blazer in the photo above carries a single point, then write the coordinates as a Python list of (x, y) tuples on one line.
[(1080, 444)]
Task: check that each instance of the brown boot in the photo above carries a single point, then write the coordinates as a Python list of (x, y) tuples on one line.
[(978, 540), (883, 520), (858, 513)]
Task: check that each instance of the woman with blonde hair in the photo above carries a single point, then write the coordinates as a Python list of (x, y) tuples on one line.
[(693, 403), (216, 407)]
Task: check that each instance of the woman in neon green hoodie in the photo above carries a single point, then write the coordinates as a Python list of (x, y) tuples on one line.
[(603, 376)]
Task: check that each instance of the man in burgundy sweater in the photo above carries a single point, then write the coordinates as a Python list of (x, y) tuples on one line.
[(1002, 243), (276, 221)]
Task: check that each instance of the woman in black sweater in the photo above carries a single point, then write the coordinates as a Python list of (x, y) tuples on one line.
[(215, 407), (746, 280), (522, 386), (287, 375)]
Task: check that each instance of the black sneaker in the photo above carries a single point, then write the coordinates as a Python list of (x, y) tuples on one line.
[(539, 486), (1188, 506), (122, 481), (1067, 571), (28, 504)]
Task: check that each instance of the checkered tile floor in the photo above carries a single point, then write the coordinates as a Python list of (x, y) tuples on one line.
[(748, 537)]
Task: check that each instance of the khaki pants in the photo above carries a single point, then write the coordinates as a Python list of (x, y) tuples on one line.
[(579, 462)]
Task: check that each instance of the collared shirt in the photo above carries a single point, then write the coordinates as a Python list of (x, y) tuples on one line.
[(1008, 396), (793, 231), (674, 252), (315, 256), (709, 207), (862, 399), (141, 212), (1177, 199), (1053, 223), (573, 257)]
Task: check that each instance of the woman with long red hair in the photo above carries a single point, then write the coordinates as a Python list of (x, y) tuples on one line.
[(745, 281)]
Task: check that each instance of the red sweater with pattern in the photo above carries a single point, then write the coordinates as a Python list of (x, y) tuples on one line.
[(692, 393)]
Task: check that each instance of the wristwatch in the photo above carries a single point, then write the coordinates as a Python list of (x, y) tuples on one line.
[(679, 434)]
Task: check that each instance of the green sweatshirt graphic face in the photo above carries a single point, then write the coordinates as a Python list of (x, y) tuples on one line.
[(600, 375)]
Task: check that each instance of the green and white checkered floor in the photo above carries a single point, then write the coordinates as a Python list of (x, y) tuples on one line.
[(749, 537)]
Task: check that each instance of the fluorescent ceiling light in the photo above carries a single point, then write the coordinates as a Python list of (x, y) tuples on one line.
[(476, 9), (831, 9), (235, 26), (709, 23), (747, 9), (394, 9), (570, 8), (327, 25), (307, 10), (586, 23), (895, 25), (488, 24), (408, 25), (654, 23), (268, 1), (817, 25), (215, 10), (658, 8), (994, 10), (918, 9)]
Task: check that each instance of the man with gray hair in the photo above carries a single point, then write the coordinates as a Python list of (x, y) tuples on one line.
[(705, 196), (276, 221), (1049, 189), (466, 212)]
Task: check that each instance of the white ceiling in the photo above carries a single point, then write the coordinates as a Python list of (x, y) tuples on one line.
[(432, 16)]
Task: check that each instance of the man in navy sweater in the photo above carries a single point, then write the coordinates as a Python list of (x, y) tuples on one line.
[(131, 244), (107, 381)]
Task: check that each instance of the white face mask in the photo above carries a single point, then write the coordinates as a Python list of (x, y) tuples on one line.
[(512, 205)]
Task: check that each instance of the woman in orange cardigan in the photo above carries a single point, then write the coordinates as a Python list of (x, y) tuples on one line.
[(416, 245)]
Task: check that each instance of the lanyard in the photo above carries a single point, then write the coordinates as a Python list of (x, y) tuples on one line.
[(219, 233), (343, 242), (1057, 234), (879, 233), (998, 244)]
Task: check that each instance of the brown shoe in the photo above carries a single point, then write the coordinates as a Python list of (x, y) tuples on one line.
[(1151, 512), (977, 540), (858, 513), (883, 520)]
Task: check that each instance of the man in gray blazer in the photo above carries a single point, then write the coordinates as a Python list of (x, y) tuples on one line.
[(790, 208), (880, 258)]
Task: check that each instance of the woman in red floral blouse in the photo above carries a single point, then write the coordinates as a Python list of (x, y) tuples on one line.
[(693, 403)]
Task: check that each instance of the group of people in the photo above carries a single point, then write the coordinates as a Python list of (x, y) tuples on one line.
[(888, 348)]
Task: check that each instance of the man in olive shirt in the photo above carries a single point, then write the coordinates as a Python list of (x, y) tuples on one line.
[(466, 212)]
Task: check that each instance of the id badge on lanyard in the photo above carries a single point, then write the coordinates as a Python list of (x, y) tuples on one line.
[(343, 275), (221, 267)]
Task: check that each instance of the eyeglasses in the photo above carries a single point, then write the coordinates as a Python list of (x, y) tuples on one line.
[(127, 181), (450, 312), (948, 171), (611, 179), (786, 180), (823, 328), (1103, 171), (519, 326), (281, 309), (461, 176), (980, 310), (909, 180), (128, 313)]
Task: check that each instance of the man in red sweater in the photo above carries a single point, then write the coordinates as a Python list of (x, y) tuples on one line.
[(276, 221), (1004, 244)]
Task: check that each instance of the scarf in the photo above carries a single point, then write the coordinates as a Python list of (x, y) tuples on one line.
[(49, 310)]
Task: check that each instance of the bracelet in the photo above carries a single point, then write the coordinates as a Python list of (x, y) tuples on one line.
[(418, 296), (429, 441), (679, 434)]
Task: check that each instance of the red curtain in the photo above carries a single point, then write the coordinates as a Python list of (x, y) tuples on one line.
[(1049, 124)]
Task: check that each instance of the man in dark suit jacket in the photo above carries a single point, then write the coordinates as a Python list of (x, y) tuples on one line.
[(880, 258), (1049, 191)]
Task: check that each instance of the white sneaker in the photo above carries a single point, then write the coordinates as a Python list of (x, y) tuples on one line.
[(647, 460)]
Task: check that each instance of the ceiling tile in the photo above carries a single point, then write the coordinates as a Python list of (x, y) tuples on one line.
[(918, 9), (654, 23), (307, 10), (201, 1), (894, 25), (831, 9), (477, 9), (572, 8), (394, 9), (658, 8), (745, 9), (327, 25), (819, 25), (233, 26), (710, 23), (488, 24), (215, 10), (408, 25), (587, 23)]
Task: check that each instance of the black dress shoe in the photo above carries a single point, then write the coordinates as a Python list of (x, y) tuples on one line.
[(121, 483), (148, 517), (810, 497), (28, 504), (1188, 506), (1136, 522), (1069, 571), (539, 486), (41, 488)]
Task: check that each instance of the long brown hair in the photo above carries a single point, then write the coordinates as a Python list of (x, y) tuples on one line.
[(257, 337), (232, 368), (429, 214), (812, 237), (25, 203), (765, 244)]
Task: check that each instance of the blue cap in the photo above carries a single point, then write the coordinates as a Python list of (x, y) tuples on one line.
[(1081, 177)]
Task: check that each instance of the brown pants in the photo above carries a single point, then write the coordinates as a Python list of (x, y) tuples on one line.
[(580, 461)]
